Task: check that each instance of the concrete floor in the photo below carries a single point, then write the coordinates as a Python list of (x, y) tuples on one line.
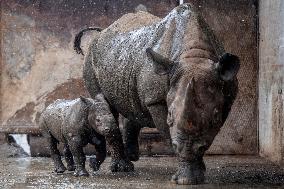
[(151, 172)]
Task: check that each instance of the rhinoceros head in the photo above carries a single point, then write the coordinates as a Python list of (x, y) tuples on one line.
[(197, 96)]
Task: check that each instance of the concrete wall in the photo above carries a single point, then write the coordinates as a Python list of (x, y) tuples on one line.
[(234, 23), (271, 83), (38, 64)]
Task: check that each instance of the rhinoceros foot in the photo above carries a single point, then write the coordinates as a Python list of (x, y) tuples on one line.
[(60, 169), (70, 167), (133, 156), (121, 165), (190, 173), (81, 172), (94, 164), (132, 151)]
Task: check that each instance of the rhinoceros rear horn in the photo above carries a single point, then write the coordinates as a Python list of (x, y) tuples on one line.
[(162, 65), (228, 66)]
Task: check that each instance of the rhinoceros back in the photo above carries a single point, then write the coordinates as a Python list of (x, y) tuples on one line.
[(120, 53), (55, 115)]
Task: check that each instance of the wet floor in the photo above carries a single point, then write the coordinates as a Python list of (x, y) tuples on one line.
[(150, 172)]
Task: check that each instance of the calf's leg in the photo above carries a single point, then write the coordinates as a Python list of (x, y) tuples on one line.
[(68, 158), (76, 147), (55, 155)]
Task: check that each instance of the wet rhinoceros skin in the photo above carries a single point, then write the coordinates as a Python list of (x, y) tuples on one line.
[(168, 73), (66, 121)]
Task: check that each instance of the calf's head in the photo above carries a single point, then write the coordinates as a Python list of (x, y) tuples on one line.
[(197, 97)]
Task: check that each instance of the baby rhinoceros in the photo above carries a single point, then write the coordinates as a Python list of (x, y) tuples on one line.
[(66, 121)]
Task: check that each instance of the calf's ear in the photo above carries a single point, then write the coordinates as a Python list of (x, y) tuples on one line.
[(228, 66), (162, 65)]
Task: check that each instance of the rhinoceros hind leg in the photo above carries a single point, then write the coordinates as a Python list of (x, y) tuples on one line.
[(131, 133)]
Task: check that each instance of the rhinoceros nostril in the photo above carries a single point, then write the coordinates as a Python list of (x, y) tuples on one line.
[(174, 146)]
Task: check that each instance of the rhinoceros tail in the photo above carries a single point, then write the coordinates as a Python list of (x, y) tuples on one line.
[(77, 41)]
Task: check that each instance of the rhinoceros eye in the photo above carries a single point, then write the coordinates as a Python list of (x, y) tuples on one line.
[(211, 90)]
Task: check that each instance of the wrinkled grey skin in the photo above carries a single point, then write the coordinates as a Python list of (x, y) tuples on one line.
[(66, 121), (172, 75)]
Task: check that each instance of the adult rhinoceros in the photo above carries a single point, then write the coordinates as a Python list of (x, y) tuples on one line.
[(168, 73)]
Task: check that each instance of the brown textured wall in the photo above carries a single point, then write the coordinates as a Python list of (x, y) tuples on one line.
[(39, 64)]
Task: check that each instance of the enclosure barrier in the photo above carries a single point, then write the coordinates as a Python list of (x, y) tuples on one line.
[(20, 130)]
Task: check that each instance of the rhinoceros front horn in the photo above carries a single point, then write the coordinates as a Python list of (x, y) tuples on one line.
[(162, 65), (228, 66), (191, 99)]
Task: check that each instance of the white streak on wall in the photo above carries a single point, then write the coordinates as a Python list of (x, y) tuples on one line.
[(22, 140), (180, 2)]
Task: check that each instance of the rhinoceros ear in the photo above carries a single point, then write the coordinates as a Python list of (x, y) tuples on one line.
[(228, 66), (162, 65)]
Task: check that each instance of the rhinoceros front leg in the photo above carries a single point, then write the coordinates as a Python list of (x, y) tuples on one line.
[(107, 125), (190, 151), (68, 158), (159, 115), (100, 145), (76, 147), (190, 172), (119, 162)]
